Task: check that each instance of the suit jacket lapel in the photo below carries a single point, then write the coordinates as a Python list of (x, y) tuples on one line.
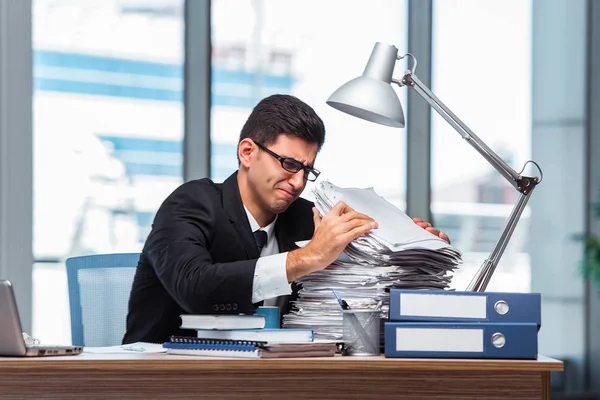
[(232, 203)]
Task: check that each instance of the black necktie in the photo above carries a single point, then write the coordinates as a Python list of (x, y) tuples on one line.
[(260, 237)]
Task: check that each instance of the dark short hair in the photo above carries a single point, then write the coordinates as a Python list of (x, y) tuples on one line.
[(282, 113)]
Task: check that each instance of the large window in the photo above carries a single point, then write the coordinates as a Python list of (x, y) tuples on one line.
[(307, 49), (108, 130), (481, 71)]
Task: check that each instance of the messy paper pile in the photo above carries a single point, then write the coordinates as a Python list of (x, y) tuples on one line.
[(397, 254)]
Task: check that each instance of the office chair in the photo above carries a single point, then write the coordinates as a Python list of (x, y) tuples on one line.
[(99, 287)]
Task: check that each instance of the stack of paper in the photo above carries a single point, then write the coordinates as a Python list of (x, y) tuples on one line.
[(398, 254)]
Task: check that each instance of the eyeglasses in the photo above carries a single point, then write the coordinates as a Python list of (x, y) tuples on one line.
[(292, 165)]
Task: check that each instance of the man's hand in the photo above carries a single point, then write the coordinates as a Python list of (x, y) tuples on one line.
[(338, 228), (332, 234), (427, 226)]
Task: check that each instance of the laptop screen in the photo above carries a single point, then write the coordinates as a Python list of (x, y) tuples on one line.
[(11, 334)]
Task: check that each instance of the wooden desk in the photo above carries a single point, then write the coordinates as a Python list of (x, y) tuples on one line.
[(151, 376)]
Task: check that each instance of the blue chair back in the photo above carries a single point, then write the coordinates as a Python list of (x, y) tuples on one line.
[(99, 288)]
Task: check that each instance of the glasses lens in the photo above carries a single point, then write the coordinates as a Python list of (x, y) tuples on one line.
[(312, 175), (292, 165)]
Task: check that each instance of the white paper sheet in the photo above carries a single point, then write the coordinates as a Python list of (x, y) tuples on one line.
[(139, 347)]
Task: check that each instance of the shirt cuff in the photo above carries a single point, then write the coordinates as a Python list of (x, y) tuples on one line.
[(270, 278)]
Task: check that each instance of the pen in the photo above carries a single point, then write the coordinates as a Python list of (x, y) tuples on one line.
[(133, 348), (341, 302)]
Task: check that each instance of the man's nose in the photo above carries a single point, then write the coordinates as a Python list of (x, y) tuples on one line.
[(297, 180)]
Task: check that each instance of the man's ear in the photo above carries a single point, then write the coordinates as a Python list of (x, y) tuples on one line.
[(246, 151)]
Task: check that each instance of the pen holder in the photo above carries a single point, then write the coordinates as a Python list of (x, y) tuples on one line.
[(361, 332)]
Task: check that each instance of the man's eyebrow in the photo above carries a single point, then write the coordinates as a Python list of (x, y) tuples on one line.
[(310, 165)]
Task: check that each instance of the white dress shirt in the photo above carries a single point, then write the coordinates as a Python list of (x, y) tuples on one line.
[(270, 275)]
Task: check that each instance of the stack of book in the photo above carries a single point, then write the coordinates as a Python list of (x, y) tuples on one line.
[(398, 254), (445, 324), (244, 336), (246, 348)]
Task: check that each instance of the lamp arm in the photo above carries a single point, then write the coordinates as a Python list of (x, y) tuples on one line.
[(510, 174), (484, 274), (523, 184)]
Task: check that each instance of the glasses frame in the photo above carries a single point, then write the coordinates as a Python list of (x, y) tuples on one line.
[(307, 170)]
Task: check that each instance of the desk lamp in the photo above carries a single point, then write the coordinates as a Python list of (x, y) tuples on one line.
[(372, 98)]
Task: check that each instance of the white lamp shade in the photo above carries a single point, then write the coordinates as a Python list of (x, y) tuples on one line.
[(371, 96), (369, 99)]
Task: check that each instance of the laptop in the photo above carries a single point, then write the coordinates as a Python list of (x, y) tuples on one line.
[(12, 342)]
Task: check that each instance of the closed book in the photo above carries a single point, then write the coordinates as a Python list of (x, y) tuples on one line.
[(222, 321), (260, 335), (461, 340), (455, 306)]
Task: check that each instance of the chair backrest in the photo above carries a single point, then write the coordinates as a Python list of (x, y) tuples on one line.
[(99, 289)]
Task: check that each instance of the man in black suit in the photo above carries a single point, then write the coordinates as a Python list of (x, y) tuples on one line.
[(227, 248)]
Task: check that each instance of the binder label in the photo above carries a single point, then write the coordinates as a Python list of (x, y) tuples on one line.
[(439, 340), (434, 305)]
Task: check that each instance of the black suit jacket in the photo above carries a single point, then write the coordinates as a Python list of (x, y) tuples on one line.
[(200, 257)]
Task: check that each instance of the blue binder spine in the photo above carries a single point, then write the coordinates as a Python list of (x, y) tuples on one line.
[(461, 340), (455, 306)]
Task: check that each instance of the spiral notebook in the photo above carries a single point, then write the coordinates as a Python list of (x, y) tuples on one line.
[(191, 346)]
